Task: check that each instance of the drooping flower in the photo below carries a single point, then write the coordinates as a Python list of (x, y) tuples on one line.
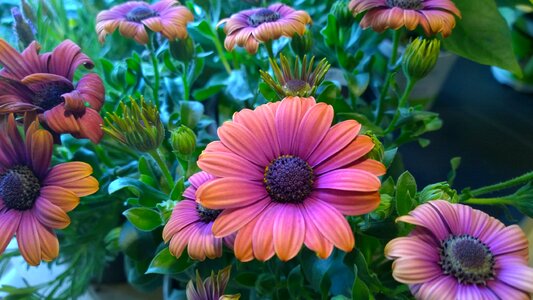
[(250, 27), (190, 225), (434, 16), (212, 288), (34, 198), (138, 125), (287, 177), (44, 83), (166, 16), (298, 80), (457, 252)]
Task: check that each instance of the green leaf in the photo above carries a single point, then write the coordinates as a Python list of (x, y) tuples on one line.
[(405, 191), (205, 93), (246, 279), (455, 163), (143, 218), (330, 32), (360, 290), (191, 113), (295, 282), (165, 263), (178, 189), (148, 196), (265, 284), (482, 35)]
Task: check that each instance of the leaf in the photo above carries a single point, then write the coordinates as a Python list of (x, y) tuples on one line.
[(165, 263), (205, 93), (405, 191), (295, 282), (360, 290), (455, 163), (191, 113), (246, 279), (265, 284), (148, 196), (178, 189), (143, 218), (482, 35), (330, 32)]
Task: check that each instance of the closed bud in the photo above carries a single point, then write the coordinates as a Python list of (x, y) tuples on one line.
[(438, 191), (183, 141), (23, 28), (182, 50), (384, 209), (301, 44), (342, 13), (420, 57), (378, 152), (27, 10)]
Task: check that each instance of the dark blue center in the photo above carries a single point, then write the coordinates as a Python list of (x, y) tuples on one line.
[(19, 188), (207, 215), (49, 95), (405, 4), (264, 15), (140, 13), (289, 179)]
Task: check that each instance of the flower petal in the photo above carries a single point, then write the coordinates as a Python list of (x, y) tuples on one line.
[(317, 242), (351, 153), (289, 231), (183, 214), (50, 215), (413, 269), (60, 197), (48, 241), (287, 123), (517, 276), (348, 180), (313, 128), (230, 192), (510, 239), (263, 234), (90, 125), (231, 220), (504, 291), (243, 242), (9, 222), (41, 152), (223, 164), (411, 247), (242, 142), (28, 239), (348, 202), (440, 288), (338, 137)]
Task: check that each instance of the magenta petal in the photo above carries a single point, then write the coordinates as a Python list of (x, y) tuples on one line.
[(349, 180), (313, 128), (287, 123), (9, 222), (28, 239), (12, 61), (289, 231), (231, 220), (471, 291), (510, 239), (517, 276), (60, 121), (183, 214), (504, 291), (441, 288), (242, 142), (263, 234), (91, 88), (66, 58), (338, 137), (90, 125), (200, 178)]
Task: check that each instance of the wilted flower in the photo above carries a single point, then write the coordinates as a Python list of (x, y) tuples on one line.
[(183, 141), (43, 83), (300, 80), (434, 16), (420, 58), (34, 199), (457, 252), (166, 16), (285, 177), (139, 126), (190, 225), (23, 28), (212, 288), (250, 27)]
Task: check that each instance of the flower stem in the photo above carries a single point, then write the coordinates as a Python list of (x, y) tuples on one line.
[(220, 51), (502, 185), (156, 155), (155, 64), (270, 50), (487, 201), (402, 103), (186, 86), (391, 71)]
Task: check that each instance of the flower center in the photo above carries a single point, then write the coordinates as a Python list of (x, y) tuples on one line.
[(19, 188), (207, 215), (289, 179), (264, 15), (140, 13), (296, 87), (405, 4), (49, 95), (468, 259)]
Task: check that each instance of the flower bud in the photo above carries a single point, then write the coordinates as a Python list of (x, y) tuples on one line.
[(139, 126), (342, 13), (182, 50), (420, 57), (438, 191), (384, 209), (23, 28), (301, 44), (183, 141), (378, 152)]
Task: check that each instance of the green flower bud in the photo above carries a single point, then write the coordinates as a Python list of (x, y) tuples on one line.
[(183, 141), (138, 127), (438, 191), (182, 50), (378, 152), (420, 57), (342, 13), (301, 44), (384, 209)]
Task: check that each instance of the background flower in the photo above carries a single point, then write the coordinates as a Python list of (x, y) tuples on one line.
[(34, 199), (287, 178), (457, 252), (43, 83), (166, 16)]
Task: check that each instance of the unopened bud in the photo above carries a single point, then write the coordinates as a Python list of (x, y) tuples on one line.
[(183, 141), (23, 28), (420, 57), (438, 191), (182, 50), (301, 44), (342, 13)]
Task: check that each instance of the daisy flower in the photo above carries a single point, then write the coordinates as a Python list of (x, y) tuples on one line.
[(286, 177), (34, 198), (190, 225), (434, 16), (457, 252)]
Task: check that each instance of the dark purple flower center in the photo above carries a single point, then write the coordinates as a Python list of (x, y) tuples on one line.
[(297, 87), (405, 4), (263, 15), (49, 95), (289, 179), (19, 188), (207, 215), (467, 259), (140, 13)]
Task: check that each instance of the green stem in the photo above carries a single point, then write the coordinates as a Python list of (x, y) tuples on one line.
[(402, 103), (391, 71), (270, 50), (156, 155), (155, 64), (487, 201), (186, 87), (502, 185), (221, 53)]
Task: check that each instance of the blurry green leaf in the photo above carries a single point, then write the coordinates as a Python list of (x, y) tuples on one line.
[(237, 87), (295, 282), (267, 92), (246, 279), (482, 35), (265, 284), (165, 263), (360, 290), (135, 243), (148, 196), (207, 92), (330, 32), (389, 156), (387, 187), (522, 200), (455, 163), (178, 189), (358, 83), (135, 272), (405, 191), (143, 218), (329, 93), (191, 113)]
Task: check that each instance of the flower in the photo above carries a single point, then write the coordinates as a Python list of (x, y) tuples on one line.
[(166, 16), (139, 126), (190, 225), (433, 15), (287, 178), (457, 252), (43, 83), (34, 198), (250, 27), (300, 80), (212, 288)]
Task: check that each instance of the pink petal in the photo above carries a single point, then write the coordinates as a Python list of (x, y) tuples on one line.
[(287, 123), (511, 239), (243, 143), (411, 247), (338, 137), (263, 234), (411, 269), (50, 215), (243, 242), (230, 192), (231, 220), (66, 58), (314, 127), (426, 216), (289, 231), (348, 180), (315, 241), (183, 214), (348, 202), (517, 276), (199, 179), (60, 121), (261, 122), (91, 88), (223, 164), (12, 61), (196, 247), (9, 222), (28, 239), (442, 287), (90, 124), (181, 240), (369, 165), (351, 153), (504, 291)]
